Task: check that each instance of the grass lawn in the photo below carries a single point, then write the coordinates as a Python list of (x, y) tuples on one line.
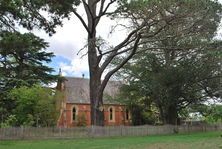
[(209, 140)]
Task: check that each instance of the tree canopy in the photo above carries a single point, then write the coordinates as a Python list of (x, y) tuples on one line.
[(188, 81), (179, 66), (23, 62), (30, 14), (23, 59), (35, 106)]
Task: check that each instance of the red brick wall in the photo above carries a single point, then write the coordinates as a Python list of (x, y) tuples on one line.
[(81, 110), (119, 116)]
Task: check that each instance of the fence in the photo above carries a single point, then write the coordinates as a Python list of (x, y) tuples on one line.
[(95, 131)]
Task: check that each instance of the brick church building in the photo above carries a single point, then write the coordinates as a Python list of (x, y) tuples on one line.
[(75, 105)]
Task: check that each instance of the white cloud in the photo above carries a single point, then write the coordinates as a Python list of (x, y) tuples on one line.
[(67, 40), (71, 37), (77, 67), (52, 85)]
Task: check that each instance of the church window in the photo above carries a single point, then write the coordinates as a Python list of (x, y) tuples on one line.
[(111, 114), (127, 114), (74, 113)]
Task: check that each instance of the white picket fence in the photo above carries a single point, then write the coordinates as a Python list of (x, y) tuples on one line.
[(95, 131)]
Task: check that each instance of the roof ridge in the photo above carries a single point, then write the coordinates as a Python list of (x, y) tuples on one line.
[(89, 79), (76, 77)]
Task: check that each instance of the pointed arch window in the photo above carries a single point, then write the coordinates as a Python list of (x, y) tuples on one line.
[(111, 114), (127, 114), (74, 113)]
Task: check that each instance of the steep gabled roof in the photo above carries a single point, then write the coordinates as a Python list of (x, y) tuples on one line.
[(77, 91)]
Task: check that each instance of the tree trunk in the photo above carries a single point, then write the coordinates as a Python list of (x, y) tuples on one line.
[(95, 56), (96, 95), (162, 115), (171, 115), (96, 100)]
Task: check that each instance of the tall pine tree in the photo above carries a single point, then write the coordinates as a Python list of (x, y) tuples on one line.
[(22, 63)]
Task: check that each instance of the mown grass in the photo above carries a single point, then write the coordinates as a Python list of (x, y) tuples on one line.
[(209, 140)]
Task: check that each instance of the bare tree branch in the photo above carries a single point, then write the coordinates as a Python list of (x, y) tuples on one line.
[(101, 7), (119, 46), (110, 73), (84, 47), (87, 9), (110, 51), (82, 21), (103, 12), (84, 55)]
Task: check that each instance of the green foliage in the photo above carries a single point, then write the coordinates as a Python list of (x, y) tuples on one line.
[(35, 106), (178, 66), (9, 122), (31, 14), (22, 59), (214, 114), (177, 85), (144, 114), (22, 63), (142, 110), (81, 120)]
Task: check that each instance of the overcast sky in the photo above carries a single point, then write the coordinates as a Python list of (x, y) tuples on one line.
[(70, 38)]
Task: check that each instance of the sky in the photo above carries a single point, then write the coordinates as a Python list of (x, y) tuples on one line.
[(71, 37)]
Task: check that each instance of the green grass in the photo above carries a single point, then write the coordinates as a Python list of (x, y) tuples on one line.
[(209, 140)]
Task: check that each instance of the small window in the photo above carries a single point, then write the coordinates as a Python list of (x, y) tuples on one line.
[(111, 111), (111, 114), (74, 114), (127, 114)]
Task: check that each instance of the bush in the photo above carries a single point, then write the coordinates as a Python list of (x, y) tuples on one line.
[(9, 122), (81, 120)]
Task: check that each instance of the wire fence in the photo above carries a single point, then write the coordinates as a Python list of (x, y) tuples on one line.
[(95, 131)]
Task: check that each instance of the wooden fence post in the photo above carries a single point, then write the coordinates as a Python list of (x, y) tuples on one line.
[(22, 132), (60, 133)]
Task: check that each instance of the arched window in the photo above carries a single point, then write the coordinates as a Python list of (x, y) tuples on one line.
[(127, 114), (74, 113), (111, 114)]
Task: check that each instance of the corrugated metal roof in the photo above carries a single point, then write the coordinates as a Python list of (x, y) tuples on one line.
[(77, 91)]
